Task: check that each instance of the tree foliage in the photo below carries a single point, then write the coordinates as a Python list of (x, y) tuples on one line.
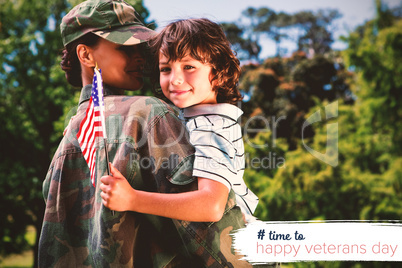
[(367, 183), (313, 30), (246, 48), (284, 90), (32, 92), (316, 34), (375, 53)]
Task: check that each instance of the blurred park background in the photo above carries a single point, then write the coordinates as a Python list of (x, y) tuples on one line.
[(322, 126)]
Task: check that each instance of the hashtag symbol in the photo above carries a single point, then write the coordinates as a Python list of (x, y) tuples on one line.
[(261, 234)]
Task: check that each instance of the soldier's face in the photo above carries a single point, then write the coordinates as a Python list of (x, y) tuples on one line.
[(186, 82), (121, 65)]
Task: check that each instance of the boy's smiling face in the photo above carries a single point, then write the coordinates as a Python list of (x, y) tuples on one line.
[(186, 82)]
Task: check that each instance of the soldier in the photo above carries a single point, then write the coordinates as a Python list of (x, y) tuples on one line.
[(146, 142)]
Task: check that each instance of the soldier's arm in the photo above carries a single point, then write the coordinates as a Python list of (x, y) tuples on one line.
[(206, 204)]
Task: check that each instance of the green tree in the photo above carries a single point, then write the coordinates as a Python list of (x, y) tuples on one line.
[(284, 89), (315, 27), (33, 91), (34, 98), (375, 54), (265, 21), (246, 47), (315, 74), (366, 184), (274, 26)]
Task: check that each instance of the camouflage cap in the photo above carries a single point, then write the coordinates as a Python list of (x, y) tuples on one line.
[(113, 20)]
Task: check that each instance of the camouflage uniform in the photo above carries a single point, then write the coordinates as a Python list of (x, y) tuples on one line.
[(115, 21), (148, 144)]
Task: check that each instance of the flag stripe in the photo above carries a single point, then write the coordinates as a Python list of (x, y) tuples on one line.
[(92, 125)]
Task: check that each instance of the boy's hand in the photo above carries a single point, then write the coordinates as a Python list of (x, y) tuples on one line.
[(116, 191)]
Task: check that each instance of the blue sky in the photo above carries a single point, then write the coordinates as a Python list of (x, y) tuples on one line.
[(355, 12)]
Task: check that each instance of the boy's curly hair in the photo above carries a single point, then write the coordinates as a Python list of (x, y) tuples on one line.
[(206, 42)]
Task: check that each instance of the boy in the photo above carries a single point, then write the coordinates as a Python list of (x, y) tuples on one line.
[(198, 72)]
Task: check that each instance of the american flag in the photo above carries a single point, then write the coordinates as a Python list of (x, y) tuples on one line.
[(93, 125)]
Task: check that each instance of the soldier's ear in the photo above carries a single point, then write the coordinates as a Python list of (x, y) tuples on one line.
[(85, 56)]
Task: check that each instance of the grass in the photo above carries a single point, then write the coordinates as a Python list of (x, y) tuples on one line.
[(24, 260)]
